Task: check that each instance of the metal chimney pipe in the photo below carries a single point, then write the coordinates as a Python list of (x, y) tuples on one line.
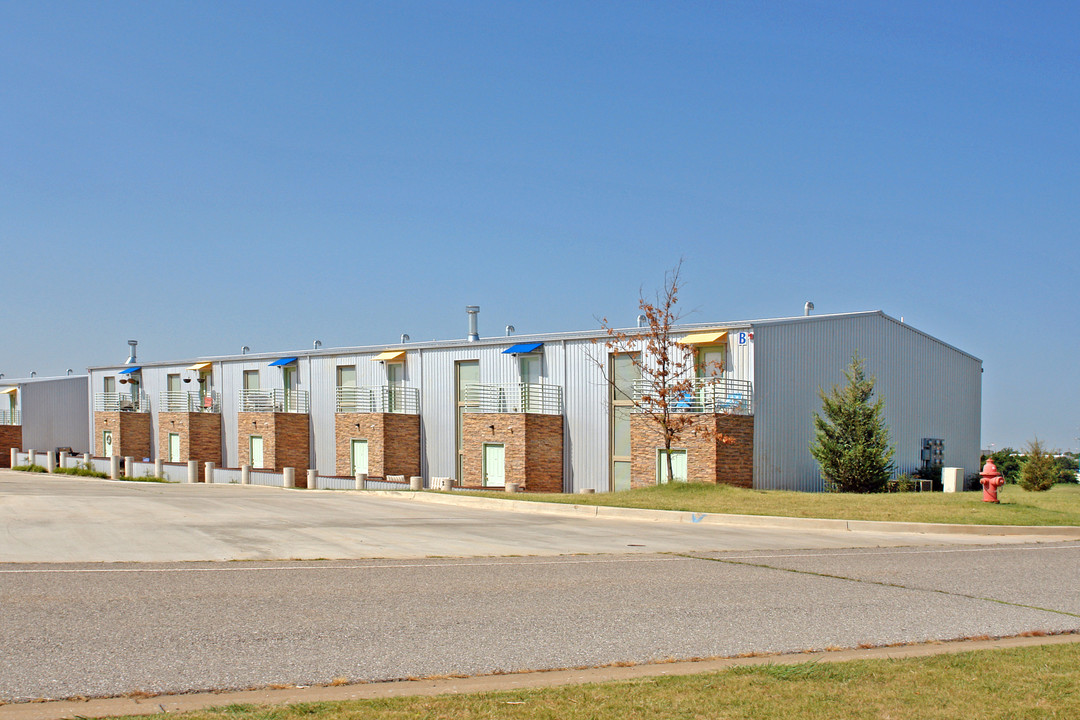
[(510, 330), (474, 311), (33, 373), (808, 307), (405, 338), (131, 360), (244, 350), (641, 320), (70, 371), (317, 344)]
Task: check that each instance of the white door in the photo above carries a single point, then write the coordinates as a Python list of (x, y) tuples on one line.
[(359, 456), (106, 443), (678, 466), (494, 464), (174, 447), (255, 444)]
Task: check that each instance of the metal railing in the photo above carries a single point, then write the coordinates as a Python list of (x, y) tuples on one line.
[(514, 398), (378, 399), (699, 395), (277, 400), (112, 401), (188, 401), (9, 417)]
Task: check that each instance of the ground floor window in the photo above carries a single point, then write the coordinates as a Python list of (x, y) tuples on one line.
[(678, 466)]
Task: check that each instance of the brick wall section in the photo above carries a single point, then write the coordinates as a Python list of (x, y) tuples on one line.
[(131, 433), (10, 437), (719, 449), (393, 442), (533, 448), (286, 440), (200, 437)]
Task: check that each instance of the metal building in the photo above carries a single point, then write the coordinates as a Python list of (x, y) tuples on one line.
[(772, 372), (44, 413)]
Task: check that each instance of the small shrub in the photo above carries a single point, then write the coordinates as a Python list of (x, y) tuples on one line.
[(30, 468), (82, 470), (903, 483), (1039, 472)]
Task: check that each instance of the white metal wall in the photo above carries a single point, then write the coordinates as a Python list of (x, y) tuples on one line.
[(53, 413), (930, 390)]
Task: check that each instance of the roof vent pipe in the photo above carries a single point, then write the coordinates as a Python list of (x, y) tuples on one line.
[(405, 338), (510, 330), (131, 360), (807, 307), (70, 371), (33, 373), (317, 344), (641, 320), (474, 311), (244, 350)]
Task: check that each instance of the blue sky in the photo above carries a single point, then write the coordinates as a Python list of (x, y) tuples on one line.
[(202, 176)]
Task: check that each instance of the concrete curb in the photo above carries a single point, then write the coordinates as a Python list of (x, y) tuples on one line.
[(680, 516)]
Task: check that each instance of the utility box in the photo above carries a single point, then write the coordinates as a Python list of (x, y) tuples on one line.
[(952, 479)]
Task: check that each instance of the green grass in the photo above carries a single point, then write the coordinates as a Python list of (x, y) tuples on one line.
[(1029, 683), (1057, 506), (30, 468), (147, 478), (81, 471)]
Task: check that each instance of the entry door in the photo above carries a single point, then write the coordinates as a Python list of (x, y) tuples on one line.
[(494, 464), (255, 445), (359, 456), (106, 443), (678, 466), (174, 447), (288, 377), (395, 379), (529, 366)]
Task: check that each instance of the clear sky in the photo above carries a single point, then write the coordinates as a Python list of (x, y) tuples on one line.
[(202, 176)]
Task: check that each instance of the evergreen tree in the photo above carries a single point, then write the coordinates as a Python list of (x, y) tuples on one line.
[(1040, 471), (852, 443)]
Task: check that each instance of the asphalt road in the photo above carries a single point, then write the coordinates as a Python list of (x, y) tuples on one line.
[(107, 629)]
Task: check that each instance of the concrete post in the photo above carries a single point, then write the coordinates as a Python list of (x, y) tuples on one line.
[(50, 464), (511, 487), (952, 479), (361, 481), (290, 477), (193, 471), (312, 479), (416, 483), (31, 457), (159, 467), (445, 483), (63, 463), (586, 491), (14, 457), (129, 466), (86, 459), (114, 467), (245, 474), (208, 473)]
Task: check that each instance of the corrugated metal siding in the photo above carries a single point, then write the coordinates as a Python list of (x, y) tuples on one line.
[(54, 413), (930, 390)]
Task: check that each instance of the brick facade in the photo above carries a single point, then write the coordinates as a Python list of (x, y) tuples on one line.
[(393, 442), (719, 449), (200, 437), (286, 440), (533, 448), (10, 437), (130, 433)]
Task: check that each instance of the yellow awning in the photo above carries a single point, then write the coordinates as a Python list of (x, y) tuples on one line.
[(8, 391), (201, 366), (705, 338), (390, 356)]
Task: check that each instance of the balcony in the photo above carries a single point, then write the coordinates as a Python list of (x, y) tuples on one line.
[(514, 398), (9, 417), (188, 401), (700, 395), (378, 399), (125, 401), (277, 400)]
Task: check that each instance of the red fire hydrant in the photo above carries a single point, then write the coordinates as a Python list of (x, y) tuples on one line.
[(991, 480)]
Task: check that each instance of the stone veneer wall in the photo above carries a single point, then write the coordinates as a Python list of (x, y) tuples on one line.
[(10, 437), (719, 449), (131, 433), (533, 448), (393, 442), (286, 440), (200, 437)]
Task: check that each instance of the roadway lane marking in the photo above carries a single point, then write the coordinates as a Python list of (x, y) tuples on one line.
[(936, 551), (339, 567)]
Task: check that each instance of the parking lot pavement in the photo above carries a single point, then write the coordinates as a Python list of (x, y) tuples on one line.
[(55, 519)]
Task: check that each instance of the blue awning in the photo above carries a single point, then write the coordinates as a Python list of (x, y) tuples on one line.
[(128, 371), (522, 348), (283, 361)]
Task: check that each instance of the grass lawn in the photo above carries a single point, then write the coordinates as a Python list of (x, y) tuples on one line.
[(1058, 506), (1036, 682)]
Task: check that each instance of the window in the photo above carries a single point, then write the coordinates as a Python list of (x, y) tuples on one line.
[(678, 466), (623, 372), (251, 379), (108, 384), (529, 369), (466, 373), (346, 376), (395, 380), (172, 382), (709, 360)]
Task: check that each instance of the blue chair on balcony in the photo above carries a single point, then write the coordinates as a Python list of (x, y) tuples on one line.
[(731, 403), (683, 402)]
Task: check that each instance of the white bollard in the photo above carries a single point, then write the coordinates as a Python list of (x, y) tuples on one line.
[(361, 481), (312, 479), (586, 491), (193, 471), (511, 487), (416, 483), (245, 474), (129, 466), (114, 467), (159, 468), (50, 464), (63, 459), (14, 457), (952, 479), (208, 473), (31, 457), (290, 477), (446, 484)]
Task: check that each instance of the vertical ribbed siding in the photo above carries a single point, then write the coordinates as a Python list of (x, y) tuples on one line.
[(54, 413), (929, 389)]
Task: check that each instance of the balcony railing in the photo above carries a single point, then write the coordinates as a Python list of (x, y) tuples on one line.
[(514, 398), (9, 417), (701, 395), (188, 401), (125, 401), (378, 399), (277, 400)]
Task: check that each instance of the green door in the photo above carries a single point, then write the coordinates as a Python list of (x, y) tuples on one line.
[(174, 447), (106, 443), (359, 456), (255, 445), (494, 464), (678, 466)]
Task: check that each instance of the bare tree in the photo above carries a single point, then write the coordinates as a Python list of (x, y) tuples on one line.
[(667, 370)]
